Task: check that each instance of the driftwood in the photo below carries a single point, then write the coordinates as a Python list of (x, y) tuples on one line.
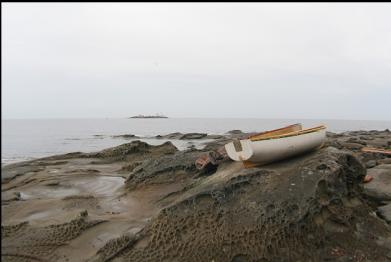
[(376, 150)]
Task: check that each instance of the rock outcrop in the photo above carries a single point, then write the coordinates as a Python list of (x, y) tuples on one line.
[(156, 206), (193, 136), (385, 212), (137, 148), (187, 136), (380, 187), (126, 136), (165, 169), (308, 209), (23, 242), (356, 140)]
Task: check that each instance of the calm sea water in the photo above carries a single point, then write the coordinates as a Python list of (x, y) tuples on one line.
[(28, 139)]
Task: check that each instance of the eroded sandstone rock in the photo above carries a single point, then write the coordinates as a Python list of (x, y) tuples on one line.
[(385, 212), (310, 208), (129, 150), (380, 187), (300, 209), (126, 136), (23, 242), (165, 169)]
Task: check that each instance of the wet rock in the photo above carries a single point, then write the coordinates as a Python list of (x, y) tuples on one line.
[(308, 208), (384, 166), (216, 144), (215, 136), (333, 143), (385, 161), (164, 169), (52, 183), (385, 212), (333, 135), (352, 146), (30, 243), (380, 143), (370, 164), (126, 136), (10, 196), (175, 135), (235, 132), (380, 187), (221, 141), (61, 157), (366, 138), (130, 167), (189, 136), (88, 171), (292, 209), (135, 148), (13, 171), (356, 140)]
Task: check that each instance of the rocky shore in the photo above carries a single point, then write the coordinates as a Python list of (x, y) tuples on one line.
[(138, 202)]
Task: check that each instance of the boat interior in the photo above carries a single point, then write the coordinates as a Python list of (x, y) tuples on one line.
[(276, 132), (292, 130)]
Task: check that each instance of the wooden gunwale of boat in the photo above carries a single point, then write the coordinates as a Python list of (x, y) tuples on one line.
[(275, 132), (294, 133)]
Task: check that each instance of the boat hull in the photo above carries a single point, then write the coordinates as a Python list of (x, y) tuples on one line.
[(270, 150)]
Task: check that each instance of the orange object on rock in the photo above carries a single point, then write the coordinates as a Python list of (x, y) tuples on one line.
[(368, 178)]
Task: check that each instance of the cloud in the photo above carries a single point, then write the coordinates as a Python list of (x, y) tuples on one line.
[(196, 59)]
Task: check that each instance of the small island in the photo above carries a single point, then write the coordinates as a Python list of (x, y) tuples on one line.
[(149, 116)]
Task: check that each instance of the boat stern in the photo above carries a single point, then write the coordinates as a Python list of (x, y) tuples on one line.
[(239, 150)]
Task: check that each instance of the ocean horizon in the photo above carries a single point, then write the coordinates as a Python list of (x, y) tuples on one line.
[(25, 139)]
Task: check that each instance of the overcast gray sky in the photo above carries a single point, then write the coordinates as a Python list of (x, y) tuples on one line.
[(265, 60)]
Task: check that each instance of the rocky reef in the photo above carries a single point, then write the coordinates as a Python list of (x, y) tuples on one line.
[(22, 242), (138, 202), (301, 210)]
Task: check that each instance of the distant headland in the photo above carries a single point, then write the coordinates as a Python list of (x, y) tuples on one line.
[(149, 116)]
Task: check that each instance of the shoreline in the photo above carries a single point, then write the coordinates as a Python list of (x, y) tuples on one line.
[(114, 199), (175, 137)]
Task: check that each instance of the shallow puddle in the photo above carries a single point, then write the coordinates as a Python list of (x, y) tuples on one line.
[(42, 215), (44, 192), (100, 185), (94, 185)]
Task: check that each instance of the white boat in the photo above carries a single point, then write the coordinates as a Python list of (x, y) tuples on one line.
[(276, 145)]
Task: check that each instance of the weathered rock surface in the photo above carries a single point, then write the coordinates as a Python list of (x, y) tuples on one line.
[(175, 135), (187, 136), (9, 172), (235, 131), (380, 187), (303, 209), (126, 136), (156, 206), (215, 136), (23, 242), (134, 149), (165, 169), (356, 140), (371, 163), (385, 212), (129, 152), (193, 136)]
